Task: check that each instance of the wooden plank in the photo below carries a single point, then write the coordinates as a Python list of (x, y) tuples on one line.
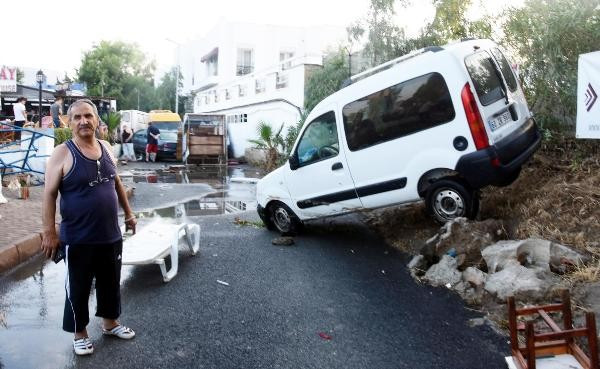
[(206, 140), (549, 321), (534, 309), (530, 339), (577, 332), (580, 355), (206, 150), (590, 322)]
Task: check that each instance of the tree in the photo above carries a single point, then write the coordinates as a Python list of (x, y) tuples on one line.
[(165, 92), (325, 81), (119, 70), (451, 23), (272, 142), (548, 36)]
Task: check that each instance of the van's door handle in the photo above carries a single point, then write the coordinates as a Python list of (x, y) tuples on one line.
[(337, 166)]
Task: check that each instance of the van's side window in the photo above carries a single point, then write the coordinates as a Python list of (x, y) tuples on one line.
[(400, 110), (507, 71), (319, 141), (485, 77)]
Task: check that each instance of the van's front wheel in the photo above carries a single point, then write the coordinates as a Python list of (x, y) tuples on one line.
[(284, 219), (448, 199)]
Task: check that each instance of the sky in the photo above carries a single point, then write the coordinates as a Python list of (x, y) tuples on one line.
[(68, 27)]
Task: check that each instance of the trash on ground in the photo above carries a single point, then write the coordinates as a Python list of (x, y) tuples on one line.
[(223, 283), (325, 336), (244, 180)]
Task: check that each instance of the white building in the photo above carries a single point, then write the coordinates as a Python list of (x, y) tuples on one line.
[(254, 73)]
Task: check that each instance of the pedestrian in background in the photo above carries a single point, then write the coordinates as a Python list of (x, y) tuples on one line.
[(56, 109), (84, 170), (127, 143), (152, 142), (20, 113)]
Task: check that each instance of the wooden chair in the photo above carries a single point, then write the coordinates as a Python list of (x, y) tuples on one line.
[(553, 342)]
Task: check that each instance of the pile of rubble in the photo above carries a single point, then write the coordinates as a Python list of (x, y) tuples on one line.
[(476, 260)]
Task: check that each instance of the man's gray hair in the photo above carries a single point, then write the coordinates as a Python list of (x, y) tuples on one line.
[(83, 101)]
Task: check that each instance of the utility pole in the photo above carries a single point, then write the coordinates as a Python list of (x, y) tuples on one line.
[(177, 76)]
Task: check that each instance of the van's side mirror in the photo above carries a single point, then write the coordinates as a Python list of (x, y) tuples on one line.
[(294, 163)]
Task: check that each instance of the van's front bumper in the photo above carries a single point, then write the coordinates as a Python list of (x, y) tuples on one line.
[(497, 164), (262, 213)]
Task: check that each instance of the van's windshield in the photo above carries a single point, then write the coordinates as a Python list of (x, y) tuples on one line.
[(485, 78), (167, 126)]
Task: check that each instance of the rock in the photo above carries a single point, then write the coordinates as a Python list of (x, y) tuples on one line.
[(517, 280), (476, 322), (534, 253), (474, 277), (443, 273), (283, 241), (465, 238)]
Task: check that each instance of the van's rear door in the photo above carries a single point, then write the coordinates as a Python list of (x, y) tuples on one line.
[(501, 101)]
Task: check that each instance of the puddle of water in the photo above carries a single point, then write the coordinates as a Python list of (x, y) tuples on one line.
[(31, 310), (217, 177), (213, 204)]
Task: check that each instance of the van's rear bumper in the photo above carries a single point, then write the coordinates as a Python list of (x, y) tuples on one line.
[(502, 161)]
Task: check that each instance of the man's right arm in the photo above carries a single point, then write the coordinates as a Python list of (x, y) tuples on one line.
[(54, 173)]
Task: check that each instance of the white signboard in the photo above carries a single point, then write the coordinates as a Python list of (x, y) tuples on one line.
[(8, 79), (588, 99)]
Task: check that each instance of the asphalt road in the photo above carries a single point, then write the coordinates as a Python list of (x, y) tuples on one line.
[(339, 280)]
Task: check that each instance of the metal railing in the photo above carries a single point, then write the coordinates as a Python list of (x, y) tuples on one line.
[(22, 165)]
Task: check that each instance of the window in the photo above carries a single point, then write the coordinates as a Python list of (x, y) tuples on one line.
[(282, 80), (509, 76), (259, 86), (245, 62), (284, 55), (216, 96), (242, 90), (212, 65), (227, 94), (485, 77), (397, 111), (319, 141), (125, 116)]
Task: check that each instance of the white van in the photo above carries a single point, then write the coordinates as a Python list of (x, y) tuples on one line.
[(135, 119), (435, 125)]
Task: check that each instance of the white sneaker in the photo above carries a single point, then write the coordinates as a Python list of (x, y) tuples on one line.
[(83, 346)]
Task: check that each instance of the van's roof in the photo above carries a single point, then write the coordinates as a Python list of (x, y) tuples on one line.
[(459, 48), (164, 116)]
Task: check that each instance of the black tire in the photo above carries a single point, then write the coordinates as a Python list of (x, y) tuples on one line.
[(283, 219), (449, 199)]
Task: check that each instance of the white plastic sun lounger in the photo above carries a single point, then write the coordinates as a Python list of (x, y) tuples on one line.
[(156, 241)]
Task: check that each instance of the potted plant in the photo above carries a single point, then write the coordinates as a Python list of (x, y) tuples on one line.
[(24, 182), (113, 120)]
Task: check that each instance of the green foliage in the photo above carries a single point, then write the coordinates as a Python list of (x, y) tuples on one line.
[(165, 92), (272, 142), (112, 120), (20, 76), (323, 82), (61, 135), (120, 70), (549, 35)]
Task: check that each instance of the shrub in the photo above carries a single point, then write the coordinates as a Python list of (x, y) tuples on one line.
[(61, 135)]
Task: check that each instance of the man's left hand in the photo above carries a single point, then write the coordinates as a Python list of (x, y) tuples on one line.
[(130, 222)]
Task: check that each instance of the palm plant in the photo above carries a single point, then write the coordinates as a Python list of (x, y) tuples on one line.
[(270, 141), (112, 120)]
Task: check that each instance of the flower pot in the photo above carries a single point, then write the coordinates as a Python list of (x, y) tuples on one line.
[(24, 193)]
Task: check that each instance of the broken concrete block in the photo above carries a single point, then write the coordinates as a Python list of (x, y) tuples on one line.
[(443, 273), (474, 276), (515, 280), (533, 253)]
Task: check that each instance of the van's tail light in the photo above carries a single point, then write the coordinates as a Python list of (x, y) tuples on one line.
[(474, 118)]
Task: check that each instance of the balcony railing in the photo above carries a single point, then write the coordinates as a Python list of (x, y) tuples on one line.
[(244, 69)]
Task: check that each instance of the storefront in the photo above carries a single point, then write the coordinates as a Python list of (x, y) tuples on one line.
[(8, 99)]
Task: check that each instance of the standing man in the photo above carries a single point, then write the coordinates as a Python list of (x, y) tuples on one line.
[(56, 110), (84, 171), (126, 140), (20, 113), (152, 142)]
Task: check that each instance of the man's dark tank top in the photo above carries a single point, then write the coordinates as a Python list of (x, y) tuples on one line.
[(88, 200)]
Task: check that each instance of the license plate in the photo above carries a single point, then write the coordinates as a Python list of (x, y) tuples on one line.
[(499, 121)]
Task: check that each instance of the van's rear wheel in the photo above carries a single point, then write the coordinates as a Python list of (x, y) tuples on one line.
[(449, 199), (284, 219)]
